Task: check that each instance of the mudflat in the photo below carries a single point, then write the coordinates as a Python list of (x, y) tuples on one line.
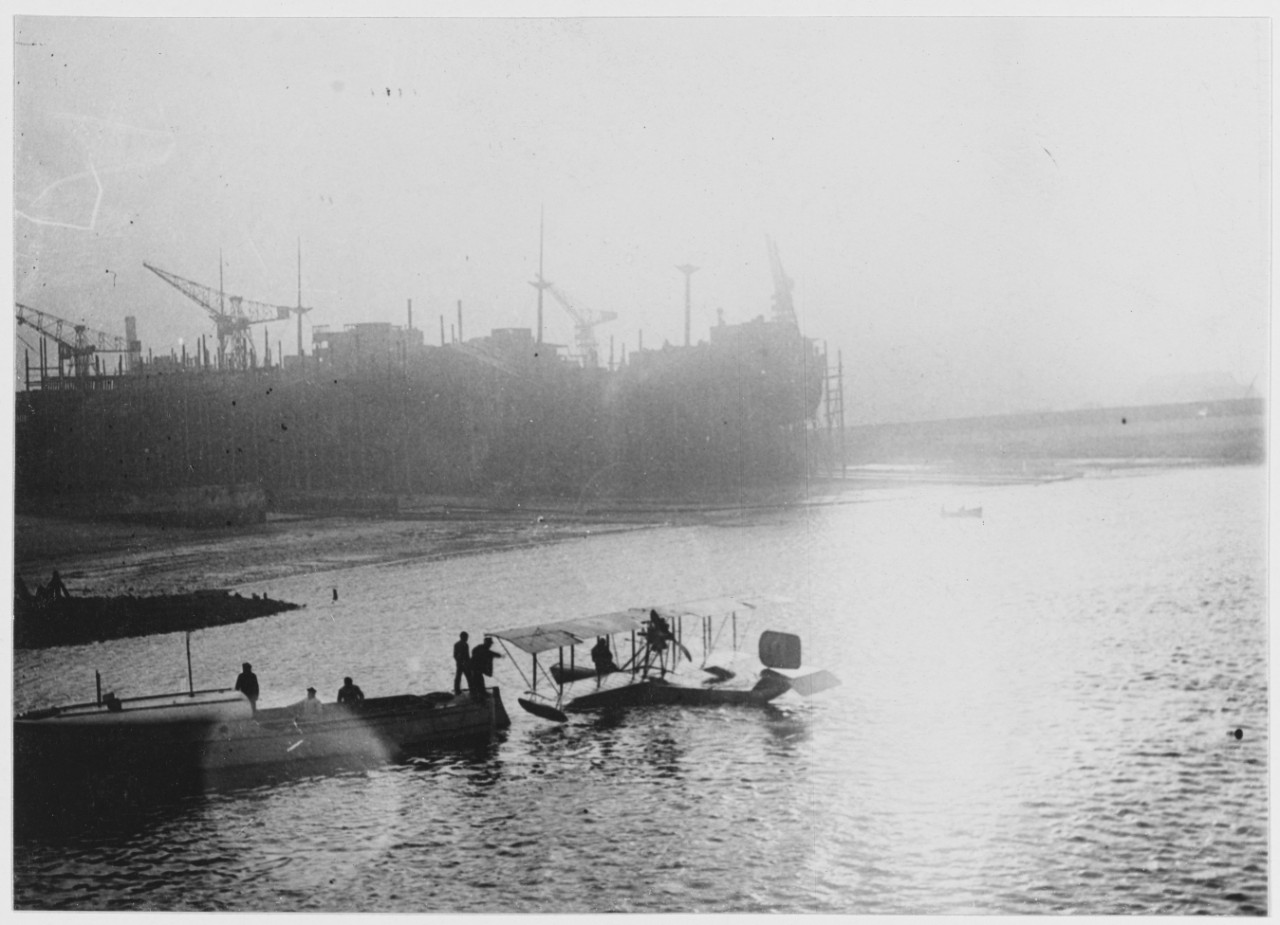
[(112, 558)]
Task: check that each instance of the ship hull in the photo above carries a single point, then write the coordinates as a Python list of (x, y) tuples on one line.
[(709, 421)]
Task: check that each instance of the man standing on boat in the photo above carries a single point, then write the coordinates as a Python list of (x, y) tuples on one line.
[(462, 662), (247, 684), (482, 657), (349, 692), (311, 706)]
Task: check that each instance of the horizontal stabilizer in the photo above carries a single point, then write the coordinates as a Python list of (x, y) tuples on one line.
[(774, 682), (810, 684), (541, 709)]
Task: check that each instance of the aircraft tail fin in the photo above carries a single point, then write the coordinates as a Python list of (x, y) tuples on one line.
[(779, 650)]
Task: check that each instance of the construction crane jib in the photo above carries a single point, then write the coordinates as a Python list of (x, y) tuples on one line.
[(231, 314), (784, 310), (77, 343), (585, 321)]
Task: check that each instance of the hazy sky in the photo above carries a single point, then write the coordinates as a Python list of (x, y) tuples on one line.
[(981, 214)]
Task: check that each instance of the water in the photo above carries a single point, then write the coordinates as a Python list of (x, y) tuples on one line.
[(1036, 715)]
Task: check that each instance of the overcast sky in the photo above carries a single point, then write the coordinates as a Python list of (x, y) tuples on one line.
[(982, 215)]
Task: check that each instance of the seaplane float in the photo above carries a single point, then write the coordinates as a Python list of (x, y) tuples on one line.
[(658, 667)]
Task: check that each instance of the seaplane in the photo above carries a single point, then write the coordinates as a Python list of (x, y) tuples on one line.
[(639, 657)]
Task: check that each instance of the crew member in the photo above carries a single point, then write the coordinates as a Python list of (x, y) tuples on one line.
[(656, 635), (603, 658), (658, 632), (461, 661), (482, 657), (247, 684), (311, 706), (349, 693)]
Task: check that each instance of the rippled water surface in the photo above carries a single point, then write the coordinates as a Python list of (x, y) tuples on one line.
[(1037, 715)]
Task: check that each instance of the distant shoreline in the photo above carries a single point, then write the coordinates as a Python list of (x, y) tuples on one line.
[(112, 558)]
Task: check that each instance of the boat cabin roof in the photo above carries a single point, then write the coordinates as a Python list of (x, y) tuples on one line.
[(539, 637)]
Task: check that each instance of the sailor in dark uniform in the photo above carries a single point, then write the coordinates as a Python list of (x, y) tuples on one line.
[(349, 692), (656, 635), (247, 684), (602, 658), (461, 661), (482, 657), (658, 632)]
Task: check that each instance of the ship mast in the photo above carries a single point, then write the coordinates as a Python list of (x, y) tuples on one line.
[(300, 309), (540, 284)]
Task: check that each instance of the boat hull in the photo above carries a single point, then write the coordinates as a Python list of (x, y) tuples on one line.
[(152, 746), (381, 730)]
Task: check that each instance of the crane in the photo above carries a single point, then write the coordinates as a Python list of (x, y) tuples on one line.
[(77, 343), (584, 320), (784, 310), (232, 325)]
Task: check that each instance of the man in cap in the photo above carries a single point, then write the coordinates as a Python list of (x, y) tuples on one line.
[(247, 684), (311, 706), (461, 662)]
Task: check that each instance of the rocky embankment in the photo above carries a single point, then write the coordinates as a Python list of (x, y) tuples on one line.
[(41, 621)]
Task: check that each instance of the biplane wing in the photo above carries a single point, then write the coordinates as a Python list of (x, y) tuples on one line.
[(539, 637), (707, 607)]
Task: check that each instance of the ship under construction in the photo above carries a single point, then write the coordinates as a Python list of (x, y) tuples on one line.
[(375, 418)]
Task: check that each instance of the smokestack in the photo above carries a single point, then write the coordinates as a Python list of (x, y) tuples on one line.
[(460, 338), (131, 340), (688, 270), (442, 341), (411, 314)]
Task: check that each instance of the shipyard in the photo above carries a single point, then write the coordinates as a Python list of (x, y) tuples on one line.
[(477, 464), (373, 417)]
